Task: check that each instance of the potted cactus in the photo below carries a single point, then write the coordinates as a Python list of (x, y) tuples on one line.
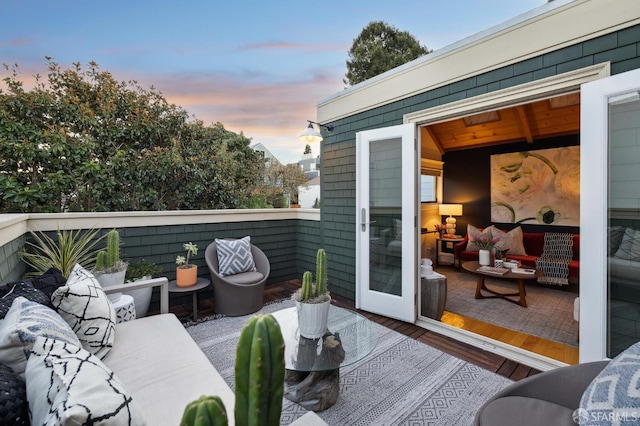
[(313, 300), (259, 376), (109, 269)]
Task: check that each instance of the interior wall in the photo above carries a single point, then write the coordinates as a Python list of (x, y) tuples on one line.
[(467, 181)]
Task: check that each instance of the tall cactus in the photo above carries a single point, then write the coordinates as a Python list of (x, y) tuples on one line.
[(259, 373), (259, 380), (307, 286), (321, 272), (205, 411), (113, 247)]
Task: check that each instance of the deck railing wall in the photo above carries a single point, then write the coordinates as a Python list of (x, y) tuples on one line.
[(289, 237)]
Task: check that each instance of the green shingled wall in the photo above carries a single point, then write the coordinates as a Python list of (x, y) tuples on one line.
[(338, 182)]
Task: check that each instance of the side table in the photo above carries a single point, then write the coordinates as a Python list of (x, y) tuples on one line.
[(125, 308), (199, 285), (445, 250)]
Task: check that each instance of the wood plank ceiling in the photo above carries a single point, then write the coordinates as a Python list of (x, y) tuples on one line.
[(543, 119)]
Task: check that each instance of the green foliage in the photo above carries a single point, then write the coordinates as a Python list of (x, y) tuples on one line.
[(140, 269), (69, 248), (82, 141), (316, 204), (379, 48), (205, 411)]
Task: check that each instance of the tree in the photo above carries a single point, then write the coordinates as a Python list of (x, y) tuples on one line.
[(379, 48), (82, 141)]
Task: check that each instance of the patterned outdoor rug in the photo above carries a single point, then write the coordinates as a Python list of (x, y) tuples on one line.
[(549, 311), (402, 382)]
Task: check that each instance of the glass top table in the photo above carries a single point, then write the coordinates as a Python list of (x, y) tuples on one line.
[(350, 338)]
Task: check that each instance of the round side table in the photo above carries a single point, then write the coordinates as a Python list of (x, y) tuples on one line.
[(199, 285)]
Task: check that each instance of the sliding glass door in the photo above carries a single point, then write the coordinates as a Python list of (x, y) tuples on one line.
[(610, 212)]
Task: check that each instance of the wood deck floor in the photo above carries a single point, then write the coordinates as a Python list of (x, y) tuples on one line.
[(490, 361)]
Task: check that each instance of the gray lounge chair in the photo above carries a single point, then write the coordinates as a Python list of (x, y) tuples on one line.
[(238, 294)]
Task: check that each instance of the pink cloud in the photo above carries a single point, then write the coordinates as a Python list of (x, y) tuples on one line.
[(16, 42), (292, 46)]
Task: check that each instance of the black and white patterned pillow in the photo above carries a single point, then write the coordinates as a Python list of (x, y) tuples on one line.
[(12, 291), (234, 256), (26, 321), (630, 245), (87, 309), (68, 385)]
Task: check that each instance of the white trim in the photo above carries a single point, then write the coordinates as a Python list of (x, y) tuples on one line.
[(594, 175), (14, 226), (542, 30), (516, 354), (517, 95)]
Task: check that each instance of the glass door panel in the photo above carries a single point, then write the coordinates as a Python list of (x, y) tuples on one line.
[(623, 272)]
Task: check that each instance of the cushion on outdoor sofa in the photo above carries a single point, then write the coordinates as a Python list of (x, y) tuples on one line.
[(12, 291), (87, 309)]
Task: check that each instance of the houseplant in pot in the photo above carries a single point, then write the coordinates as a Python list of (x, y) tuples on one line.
[(313, 300), (187, 273), (141, 270), (110, 270)]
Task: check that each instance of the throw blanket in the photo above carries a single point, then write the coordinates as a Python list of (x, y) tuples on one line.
[(556, 255)]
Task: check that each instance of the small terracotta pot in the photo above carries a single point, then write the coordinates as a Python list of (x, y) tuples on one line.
[(186, 277)]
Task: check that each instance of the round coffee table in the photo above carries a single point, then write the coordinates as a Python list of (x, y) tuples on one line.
[(509, 275), (313, 365)]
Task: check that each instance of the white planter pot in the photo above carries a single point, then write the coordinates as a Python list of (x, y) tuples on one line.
[(313, 318), (484, 257), (141, 298), (108, 280)]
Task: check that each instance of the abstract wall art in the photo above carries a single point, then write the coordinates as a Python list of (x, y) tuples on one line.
[(536, 187)]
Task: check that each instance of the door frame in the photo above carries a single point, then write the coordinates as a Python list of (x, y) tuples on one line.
[(594, 157), (402, 307)]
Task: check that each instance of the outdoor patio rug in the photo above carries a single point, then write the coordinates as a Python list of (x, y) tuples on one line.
[(549, 312), (402, 382)]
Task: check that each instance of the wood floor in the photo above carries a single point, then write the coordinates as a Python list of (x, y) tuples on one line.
[(482, 358)]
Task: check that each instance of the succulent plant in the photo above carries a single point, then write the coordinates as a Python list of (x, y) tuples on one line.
[(309, 290), (109, 260)]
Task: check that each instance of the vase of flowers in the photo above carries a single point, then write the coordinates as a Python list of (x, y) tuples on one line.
[(187, 273), (485, 244)]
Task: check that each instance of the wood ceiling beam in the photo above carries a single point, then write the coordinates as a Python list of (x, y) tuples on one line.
[(526, 128), (435, 139)]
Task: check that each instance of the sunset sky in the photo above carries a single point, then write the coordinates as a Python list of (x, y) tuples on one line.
[(258, 67)]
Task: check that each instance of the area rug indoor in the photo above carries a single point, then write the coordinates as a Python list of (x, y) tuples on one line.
[(402, 382), (549, 312)]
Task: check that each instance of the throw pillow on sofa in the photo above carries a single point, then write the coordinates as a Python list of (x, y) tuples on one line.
[(475, 234), (87, 309), (26, 321), (48, 282), (12, 291), (511, 240), (615, 238), (630, 245), (14, 409), (614, 391), (66, 385)]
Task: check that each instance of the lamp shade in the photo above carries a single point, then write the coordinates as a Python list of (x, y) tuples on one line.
[(450, 209), (310, 135)]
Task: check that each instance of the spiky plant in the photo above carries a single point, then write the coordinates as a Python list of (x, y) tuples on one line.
[(108, 261), (41, 252)]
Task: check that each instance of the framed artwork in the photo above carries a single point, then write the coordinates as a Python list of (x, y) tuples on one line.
[(536, 187)]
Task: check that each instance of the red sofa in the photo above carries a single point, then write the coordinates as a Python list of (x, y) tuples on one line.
[(533, 245)]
